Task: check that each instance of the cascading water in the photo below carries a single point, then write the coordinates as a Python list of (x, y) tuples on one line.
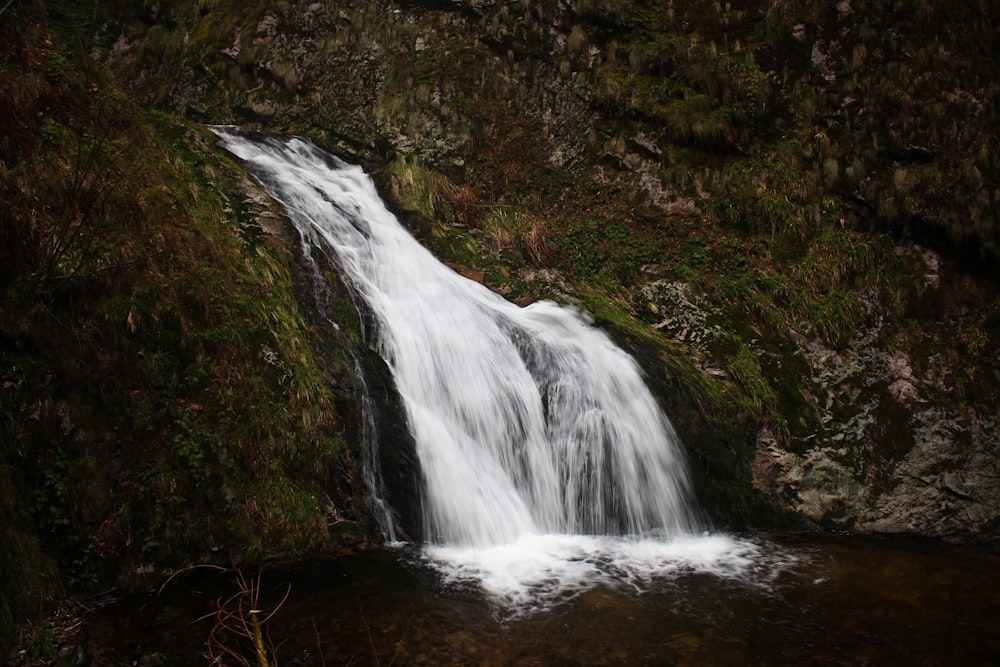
[(370, 465), (548, 464)]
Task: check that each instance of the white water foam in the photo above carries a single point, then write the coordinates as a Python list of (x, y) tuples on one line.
[(536, 572), (548, 465)]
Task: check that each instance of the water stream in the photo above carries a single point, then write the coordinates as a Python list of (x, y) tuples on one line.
[(548, 465)]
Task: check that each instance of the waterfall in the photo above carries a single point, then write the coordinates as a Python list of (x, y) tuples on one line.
[(371, 469), (535, 433)]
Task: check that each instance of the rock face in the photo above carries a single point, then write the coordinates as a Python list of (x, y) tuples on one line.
[(943, 481), (896, 450), (750, 179)]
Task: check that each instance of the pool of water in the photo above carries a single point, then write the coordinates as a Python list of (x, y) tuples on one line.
[(811, 600)]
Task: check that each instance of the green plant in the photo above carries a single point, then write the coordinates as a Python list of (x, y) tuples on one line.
[(758, 396)]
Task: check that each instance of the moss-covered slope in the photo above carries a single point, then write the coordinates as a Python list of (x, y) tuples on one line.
[(162, 401)]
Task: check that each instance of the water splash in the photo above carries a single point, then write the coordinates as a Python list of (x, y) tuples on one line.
[(533, 430)]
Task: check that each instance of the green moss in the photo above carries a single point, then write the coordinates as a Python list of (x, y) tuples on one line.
[(759, 398), (163, 399), (423, 190)]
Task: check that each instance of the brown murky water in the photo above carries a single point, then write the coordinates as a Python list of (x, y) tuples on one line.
[(844, 601)]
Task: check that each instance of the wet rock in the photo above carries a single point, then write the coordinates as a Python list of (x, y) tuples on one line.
[(948, 485), (893, 454)]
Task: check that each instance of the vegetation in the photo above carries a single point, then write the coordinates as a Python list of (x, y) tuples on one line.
[(161, 399), (240, 629), (801, 181), (796, 172)]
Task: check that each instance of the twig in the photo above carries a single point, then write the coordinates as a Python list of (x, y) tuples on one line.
[(319, 644), (399, 641), (371, 640), (239, 619), (189, 568), (4, 8)]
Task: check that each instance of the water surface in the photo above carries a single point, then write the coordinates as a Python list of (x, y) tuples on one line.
[(814, 600)]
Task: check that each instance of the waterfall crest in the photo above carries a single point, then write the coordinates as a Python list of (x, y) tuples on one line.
[(529, 422)]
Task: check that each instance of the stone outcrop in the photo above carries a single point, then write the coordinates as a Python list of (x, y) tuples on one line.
[(896, 450)]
